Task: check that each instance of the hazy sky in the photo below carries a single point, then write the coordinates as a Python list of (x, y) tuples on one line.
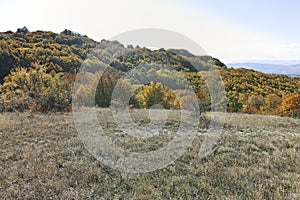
[(231, 30)]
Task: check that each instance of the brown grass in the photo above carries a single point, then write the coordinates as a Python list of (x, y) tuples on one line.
[(42, 157)]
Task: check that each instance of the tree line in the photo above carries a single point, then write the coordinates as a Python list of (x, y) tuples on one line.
[(38, 70)]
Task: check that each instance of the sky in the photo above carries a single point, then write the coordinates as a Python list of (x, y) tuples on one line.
[(231, 30)]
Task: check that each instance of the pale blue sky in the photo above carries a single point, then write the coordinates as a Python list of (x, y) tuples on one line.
[(277, 18), (232, 30)]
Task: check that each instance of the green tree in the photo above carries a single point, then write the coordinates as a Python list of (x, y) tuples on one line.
[(105, 88)]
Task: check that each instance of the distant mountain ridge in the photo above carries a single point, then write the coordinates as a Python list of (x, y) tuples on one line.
[(270, 68)]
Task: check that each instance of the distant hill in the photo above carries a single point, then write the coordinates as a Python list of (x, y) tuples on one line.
[(269, 68)]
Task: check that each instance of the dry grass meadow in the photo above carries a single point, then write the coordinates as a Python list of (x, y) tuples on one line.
[(42, 157)]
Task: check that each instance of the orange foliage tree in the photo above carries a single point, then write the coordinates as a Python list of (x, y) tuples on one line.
[(291, 106)]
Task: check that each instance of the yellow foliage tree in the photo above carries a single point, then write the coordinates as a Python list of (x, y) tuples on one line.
[(272, 103), (35, 89), (156, 93)]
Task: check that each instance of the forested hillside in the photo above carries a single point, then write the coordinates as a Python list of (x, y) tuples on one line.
[(37, 72), (60, 52)]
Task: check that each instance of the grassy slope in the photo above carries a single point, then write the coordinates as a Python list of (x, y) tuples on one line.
[(42, 157)]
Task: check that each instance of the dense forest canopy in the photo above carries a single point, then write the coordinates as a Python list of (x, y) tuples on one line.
[(60, 52), (38, 69)]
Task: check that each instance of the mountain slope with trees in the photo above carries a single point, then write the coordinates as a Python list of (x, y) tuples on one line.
[(37, 71)]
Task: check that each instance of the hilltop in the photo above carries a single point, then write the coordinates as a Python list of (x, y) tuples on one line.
[(67, 50), (59, 56), (62, 52), (255, 157)]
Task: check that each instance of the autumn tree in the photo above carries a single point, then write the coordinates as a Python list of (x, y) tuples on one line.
[(35, 89), (255, 102), (272, 103), (155, 93), (291, 106)]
